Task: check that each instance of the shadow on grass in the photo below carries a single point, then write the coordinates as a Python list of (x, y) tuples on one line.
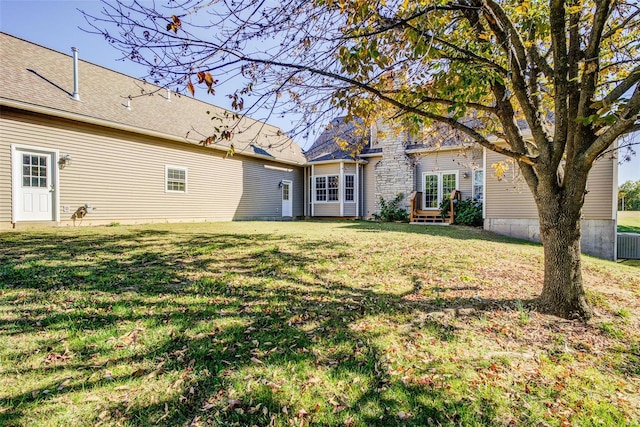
[(254, 315), (459, 232)]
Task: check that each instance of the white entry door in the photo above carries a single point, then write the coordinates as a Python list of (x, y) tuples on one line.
[(287, 198), (34, 184)]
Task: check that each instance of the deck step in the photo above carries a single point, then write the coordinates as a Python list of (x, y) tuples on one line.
[(427, 217)]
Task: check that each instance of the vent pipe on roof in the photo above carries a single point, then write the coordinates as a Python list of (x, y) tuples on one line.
[(76, 92)]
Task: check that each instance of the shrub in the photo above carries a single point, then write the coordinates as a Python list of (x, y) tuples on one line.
[(391, 210), (469, 212), (466, 212)]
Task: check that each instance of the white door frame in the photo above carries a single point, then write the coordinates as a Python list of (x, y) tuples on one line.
[(440, 190), (288, 183), (16, 178)]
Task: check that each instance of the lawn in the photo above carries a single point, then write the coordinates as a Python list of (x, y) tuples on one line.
[(305, 323), (629, 222)]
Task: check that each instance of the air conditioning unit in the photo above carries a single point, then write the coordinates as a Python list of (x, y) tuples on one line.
[(628, 246)]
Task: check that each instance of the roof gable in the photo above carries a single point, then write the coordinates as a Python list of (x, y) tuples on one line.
[(326, 146)]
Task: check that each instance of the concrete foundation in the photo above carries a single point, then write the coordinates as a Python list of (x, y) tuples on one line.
[(598, 236)]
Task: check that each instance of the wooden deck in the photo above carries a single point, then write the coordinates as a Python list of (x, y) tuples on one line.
[(423, 216)]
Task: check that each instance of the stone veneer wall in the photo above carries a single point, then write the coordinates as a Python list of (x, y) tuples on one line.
[(395, 171)]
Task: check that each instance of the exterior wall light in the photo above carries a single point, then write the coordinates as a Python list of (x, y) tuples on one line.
[(64, 160)]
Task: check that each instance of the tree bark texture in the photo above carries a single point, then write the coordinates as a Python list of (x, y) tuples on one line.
[(563, 292)]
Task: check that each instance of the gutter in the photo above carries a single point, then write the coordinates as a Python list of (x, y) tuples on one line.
[(325, 162), (19, 105), (434, 149)]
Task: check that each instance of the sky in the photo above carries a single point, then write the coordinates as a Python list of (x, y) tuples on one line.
[(55, 24)]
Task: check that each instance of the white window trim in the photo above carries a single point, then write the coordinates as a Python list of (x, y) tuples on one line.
[(166, 179), (473, 183), (440, 193), (315, 189), (355, 194)]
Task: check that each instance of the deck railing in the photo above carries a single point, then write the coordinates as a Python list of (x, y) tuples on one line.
[(417, 214)]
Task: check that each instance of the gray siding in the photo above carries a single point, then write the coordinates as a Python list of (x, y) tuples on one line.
[(123, 175), (327, 169), (349, 209), (511, 209), (370, 202), (5, 175), (327, 209), (511, 197), (449, 160)]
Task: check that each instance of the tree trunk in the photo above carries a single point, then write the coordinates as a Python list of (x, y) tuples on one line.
[(563, 292)]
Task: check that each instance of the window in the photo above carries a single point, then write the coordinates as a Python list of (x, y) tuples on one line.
[(327, 188), (34, 170), (478, 187), (349, 188), (436, 186), (321, 189), (333, 188), (175, 179)]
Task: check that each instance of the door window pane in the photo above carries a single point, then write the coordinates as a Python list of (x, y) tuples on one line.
[(448, 184), (431, 191), (34, 171)]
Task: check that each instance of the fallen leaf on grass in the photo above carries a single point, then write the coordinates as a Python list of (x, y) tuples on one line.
[(131, 337), (58, 357), (404, 415), (138, 373), (233, 403)]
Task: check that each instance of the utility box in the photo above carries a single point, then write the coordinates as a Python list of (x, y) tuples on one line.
[(628, 246)]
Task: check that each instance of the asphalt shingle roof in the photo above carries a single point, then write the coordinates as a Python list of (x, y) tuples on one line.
[(326, 146), (33, 75)]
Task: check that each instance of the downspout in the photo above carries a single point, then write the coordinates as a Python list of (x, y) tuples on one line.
[(76, 91), (313, 190), (305, 186), (340, 188), (356, 189), (484, 187)]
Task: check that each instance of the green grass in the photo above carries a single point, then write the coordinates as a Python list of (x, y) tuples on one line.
[(304, 323), (629, 222)]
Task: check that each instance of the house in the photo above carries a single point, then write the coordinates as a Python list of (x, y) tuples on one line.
[(426, 169), (389, 162), (82, 144)]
